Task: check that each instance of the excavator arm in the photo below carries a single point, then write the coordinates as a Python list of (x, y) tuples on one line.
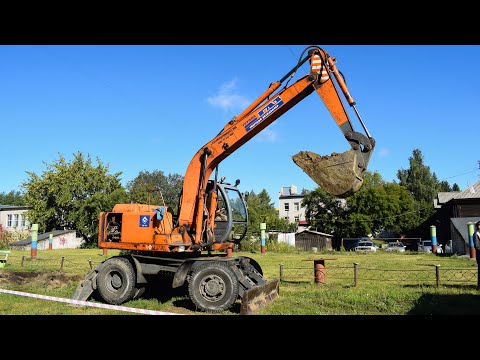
[(338, 174)]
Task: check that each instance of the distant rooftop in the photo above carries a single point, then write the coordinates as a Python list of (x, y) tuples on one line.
[(472, 192), (12, 207)]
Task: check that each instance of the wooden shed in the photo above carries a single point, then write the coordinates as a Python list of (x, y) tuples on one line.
[(307, 240), (454, 210)]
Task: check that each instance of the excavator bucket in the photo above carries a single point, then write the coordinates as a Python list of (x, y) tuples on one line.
[(259, 297), (340, 175)]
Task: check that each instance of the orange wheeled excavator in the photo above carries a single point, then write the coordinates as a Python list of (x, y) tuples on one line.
[(194, 245)]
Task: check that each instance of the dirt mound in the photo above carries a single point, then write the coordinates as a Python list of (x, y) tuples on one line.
[(337, 174), (47, 278)]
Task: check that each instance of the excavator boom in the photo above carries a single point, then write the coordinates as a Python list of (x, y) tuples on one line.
[(339, 174)]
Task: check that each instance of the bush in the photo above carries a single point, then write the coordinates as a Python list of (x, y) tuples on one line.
[(280, 247), (250, 244), (8, 237)]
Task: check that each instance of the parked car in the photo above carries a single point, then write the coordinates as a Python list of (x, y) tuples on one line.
[(426, 247), (366, 246), (395, 246)]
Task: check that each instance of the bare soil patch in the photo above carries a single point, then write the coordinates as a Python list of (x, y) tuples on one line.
[(45, 278)]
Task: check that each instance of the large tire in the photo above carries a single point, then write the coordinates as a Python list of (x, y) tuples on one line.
[(255, 265), (213, 287), (116, 281)]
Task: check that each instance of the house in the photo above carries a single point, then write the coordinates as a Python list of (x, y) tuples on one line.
[(290, 205), (307, 240), (454, 210), (13, 217), (61, 239)]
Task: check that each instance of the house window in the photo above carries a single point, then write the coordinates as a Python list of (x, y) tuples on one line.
[(296, 219), (9, 220), (296, 206), (22, 223), (15, 220), (287, 207), (286, 218)]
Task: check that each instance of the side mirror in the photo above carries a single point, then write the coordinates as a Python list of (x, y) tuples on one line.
[(237, 182)]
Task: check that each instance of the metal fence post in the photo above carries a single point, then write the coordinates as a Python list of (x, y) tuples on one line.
[(433, 236), (471, 231), (355, 274), (437, 274), (263, 227), (34, 237), (61, 263), (281, 272), (23, 259), (90, 263)]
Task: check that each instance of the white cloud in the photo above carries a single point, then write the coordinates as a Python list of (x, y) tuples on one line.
[(267, 135), (383, 153), (227, 97)]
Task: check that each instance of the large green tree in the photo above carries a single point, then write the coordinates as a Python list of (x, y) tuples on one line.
[(385, 206), (423, 184), (155, 188), (325, 212), (71, 194), (261, 209), (377, 206), (12, 198)]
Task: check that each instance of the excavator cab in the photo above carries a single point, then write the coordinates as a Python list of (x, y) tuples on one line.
[(231, 216)]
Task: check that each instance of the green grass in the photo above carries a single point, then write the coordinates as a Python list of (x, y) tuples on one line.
[(387, 284)]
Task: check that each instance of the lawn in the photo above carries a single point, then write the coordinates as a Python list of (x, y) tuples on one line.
[(355, 284)]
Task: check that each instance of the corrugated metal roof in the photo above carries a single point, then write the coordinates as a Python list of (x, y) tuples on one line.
[(314, 232), (444, 197), (472, 192)]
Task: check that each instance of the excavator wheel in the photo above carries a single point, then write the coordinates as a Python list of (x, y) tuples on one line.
[(116, 281), (213, 287)]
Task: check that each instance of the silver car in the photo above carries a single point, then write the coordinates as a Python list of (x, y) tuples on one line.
[(395, 246), (366, 246), (426, 246)]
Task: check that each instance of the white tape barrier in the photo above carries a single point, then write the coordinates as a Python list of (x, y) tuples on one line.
[(88, 303)]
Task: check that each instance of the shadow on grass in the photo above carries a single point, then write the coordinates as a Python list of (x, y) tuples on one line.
[(296, 281), (440, 304), (160, 289)]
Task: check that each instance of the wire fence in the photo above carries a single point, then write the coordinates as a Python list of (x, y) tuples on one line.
[(429, 274), (63, 264)]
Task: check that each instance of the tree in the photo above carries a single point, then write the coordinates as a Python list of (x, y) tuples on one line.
[(378, 205), (12, 198), (324, 211), (455, 187), (385, 206), (422, 184), (262, 209), (70, 195), (154, 188)]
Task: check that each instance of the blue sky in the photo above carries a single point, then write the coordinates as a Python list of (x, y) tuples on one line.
[(152, 107)]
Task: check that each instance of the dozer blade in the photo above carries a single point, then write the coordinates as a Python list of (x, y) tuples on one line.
[(259, 296), (338, 174), (86, 287)]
